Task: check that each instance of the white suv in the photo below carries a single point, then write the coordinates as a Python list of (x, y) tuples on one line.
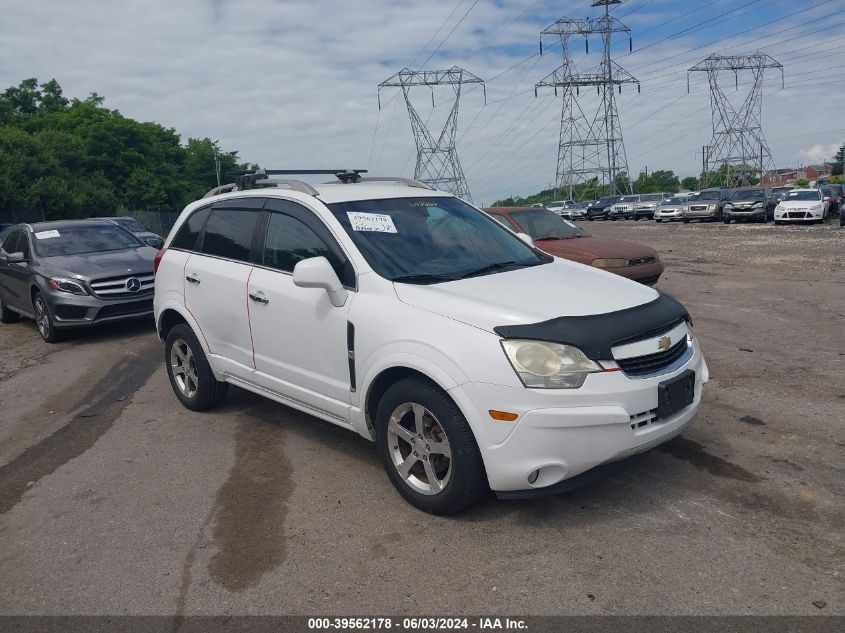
[(406, 315)]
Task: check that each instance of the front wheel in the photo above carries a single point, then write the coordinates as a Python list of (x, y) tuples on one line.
[(428, 448), (190, 374), (686, 220), (44, 320), (726, 220)]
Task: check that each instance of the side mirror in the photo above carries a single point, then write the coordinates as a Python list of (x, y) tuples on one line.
[(317, 272), (526, 238), (16, 258)]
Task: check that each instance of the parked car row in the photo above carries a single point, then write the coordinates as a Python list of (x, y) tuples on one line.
[(758, 204)]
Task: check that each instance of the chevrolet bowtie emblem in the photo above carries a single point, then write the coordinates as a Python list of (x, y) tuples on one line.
[(664, 343)]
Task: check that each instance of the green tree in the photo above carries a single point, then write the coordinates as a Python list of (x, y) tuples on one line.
[(837, 162), (802, 182), (690, 182)]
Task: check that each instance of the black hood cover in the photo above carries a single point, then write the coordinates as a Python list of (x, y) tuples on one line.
[(596, 334)]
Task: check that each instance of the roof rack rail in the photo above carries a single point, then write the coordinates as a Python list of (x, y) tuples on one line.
[(259, 178), (409, 182)]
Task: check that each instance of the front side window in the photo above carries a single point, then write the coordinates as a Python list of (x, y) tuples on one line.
[(289, 241), (429, 240), (229, 233), (75, 240), (10, 243)]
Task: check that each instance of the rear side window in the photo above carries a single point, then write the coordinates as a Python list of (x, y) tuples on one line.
[(10, 243), (289, 241), (229, 233), (189, 232)]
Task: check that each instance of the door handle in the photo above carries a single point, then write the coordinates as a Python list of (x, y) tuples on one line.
[(192, 278), (259, 297)]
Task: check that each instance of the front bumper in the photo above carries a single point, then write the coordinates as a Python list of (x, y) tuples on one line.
[(799, 215), (675, 214), (644, 273), (563, 433), (709, 214), (755, 213), (78, 311)]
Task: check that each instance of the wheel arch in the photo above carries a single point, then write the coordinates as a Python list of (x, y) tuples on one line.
[(172, 315)]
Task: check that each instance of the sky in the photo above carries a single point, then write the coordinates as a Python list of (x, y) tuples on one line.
[(293, 84)]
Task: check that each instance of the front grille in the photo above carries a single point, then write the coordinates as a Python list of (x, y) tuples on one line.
[(118, 287), (122, 309), (698, 207), (652, 363), (797, 214), (638, 261)]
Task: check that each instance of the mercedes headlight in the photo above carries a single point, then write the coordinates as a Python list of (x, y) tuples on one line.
[(63, 284), (543, 365)]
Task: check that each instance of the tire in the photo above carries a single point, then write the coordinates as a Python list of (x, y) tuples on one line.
[(590, 218), (777, 222), (686, 220), (613, 219), (44, 320), (190, 375), (658, 220), (6, 315), (414, 407), (726, 220)]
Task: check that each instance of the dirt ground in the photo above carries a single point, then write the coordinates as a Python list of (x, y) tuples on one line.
[(114, 499)]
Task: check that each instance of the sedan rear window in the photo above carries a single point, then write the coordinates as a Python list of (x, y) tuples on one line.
[(75, 240)]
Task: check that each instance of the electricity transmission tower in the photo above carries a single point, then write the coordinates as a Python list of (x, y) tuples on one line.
[(437, 160), (738, 142), (590, 147)]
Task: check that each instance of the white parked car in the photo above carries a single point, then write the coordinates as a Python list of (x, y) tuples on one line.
[(559, 206), (407, 316), (801, 205)]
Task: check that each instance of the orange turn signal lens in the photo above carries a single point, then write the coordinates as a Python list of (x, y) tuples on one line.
[(503, 416)]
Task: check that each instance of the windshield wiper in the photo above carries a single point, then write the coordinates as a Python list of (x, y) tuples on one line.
[(422, 278), (490, 268), (548, 237)]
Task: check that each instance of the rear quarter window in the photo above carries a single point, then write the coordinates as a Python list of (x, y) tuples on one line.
[(188, 236)]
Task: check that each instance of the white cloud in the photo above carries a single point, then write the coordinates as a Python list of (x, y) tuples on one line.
[(293, 83)]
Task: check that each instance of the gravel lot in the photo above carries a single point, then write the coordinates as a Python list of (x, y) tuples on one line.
[(114, 499)]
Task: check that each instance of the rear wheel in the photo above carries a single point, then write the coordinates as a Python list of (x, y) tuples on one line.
[(44, 320), (686, 220), (428, 449), (190, 374), (7, 315), (726, 220)]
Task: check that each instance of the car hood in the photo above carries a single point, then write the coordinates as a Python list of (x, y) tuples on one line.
[(799, 204), (670, 207), (109, 264), (527, 295), (586, 249)]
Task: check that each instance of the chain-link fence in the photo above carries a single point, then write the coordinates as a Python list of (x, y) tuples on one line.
[(156, 221)]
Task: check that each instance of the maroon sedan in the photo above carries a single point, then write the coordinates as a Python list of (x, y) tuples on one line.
[(562, 238)]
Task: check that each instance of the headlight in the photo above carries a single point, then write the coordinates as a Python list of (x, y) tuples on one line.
[(67, 285), (757, 204), (817, 207), (728, 205), (609, 262), (544, 365)]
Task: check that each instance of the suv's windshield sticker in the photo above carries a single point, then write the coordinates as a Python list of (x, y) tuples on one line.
[(377, 222), (46, 235)]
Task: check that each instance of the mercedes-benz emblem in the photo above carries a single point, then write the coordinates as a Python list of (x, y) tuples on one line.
[(133, 284)]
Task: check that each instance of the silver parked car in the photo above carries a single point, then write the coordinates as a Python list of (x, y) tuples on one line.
[(670, 209), (76, 273)]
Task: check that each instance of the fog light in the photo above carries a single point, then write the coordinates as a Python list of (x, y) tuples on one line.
[(533, 476)]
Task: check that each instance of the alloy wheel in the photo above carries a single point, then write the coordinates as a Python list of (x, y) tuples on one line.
[(419, 448), (42, 317), (184, 368)]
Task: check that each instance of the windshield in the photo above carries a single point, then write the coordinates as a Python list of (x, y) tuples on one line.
[(428, 240), (707, 195), (545, 225), (629, 199), (608, 200), (749, 194), (669, 201), (651, 197), (74, 240), (803, 195)]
